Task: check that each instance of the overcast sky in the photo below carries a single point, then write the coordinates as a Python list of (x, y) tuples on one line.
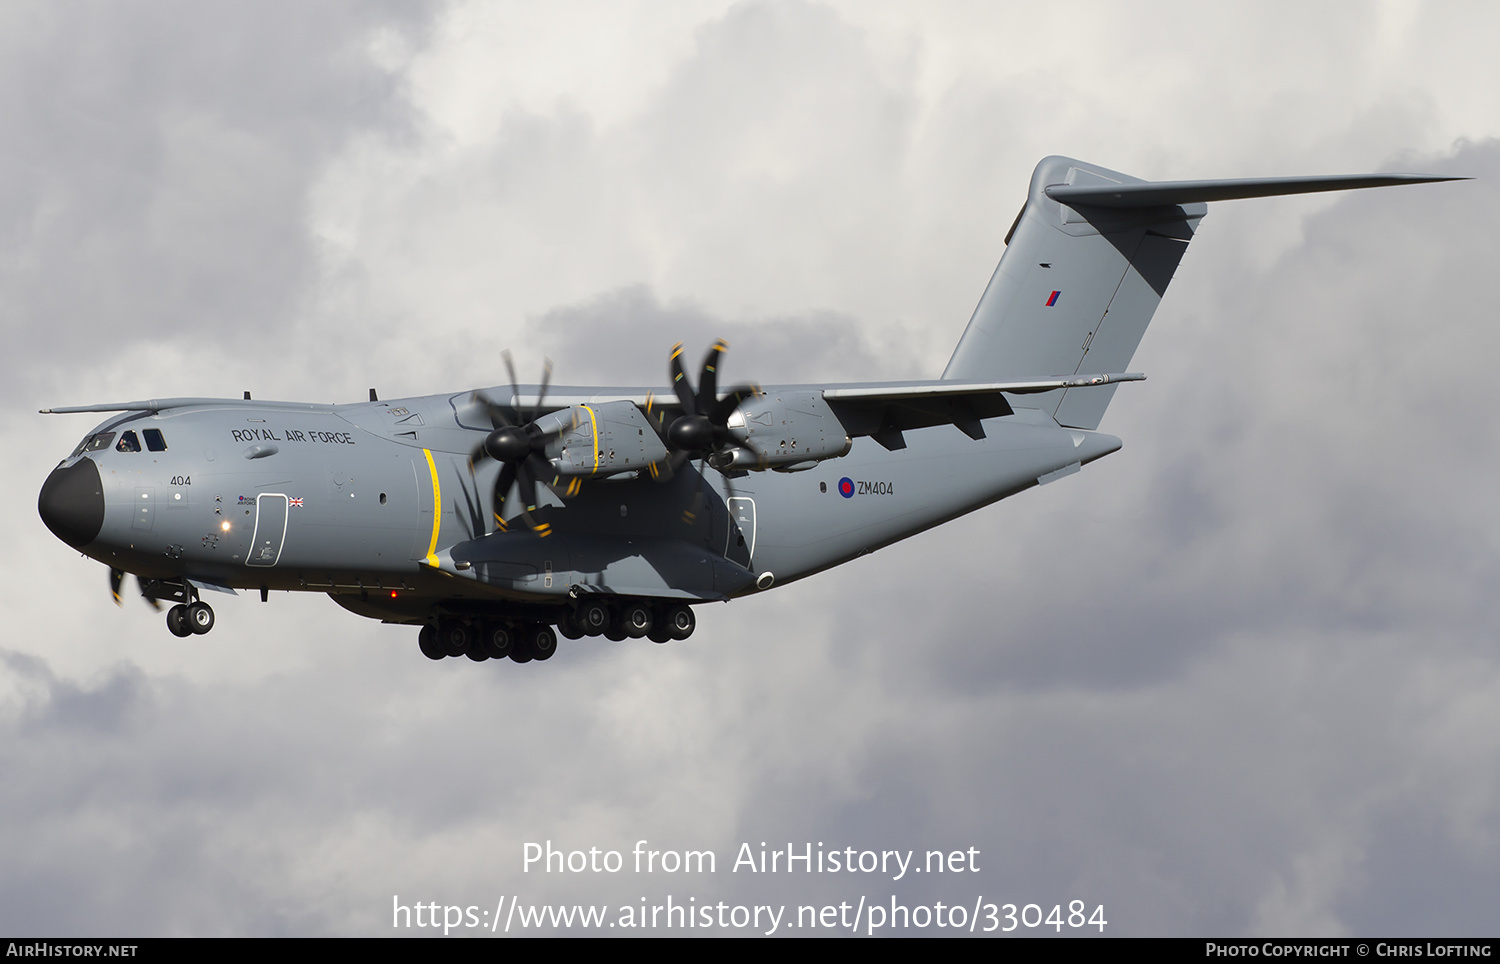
[(1239, 678)]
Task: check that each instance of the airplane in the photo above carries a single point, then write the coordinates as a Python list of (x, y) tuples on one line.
[(488, 517)]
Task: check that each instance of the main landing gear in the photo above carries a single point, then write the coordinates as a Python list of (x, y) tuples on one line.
[(522, 642), (487, 639)]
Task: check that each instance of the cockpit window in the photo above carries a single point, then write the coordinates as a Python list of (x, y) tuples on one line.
[(154, 441), (128, 443), (94, 443)]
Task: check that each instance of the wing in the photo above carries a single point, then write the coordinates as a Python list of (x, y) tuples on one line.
[(883, 412)]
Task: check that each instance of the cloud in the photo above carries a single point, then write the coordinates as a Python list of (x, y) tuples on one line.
[(1236, 678)]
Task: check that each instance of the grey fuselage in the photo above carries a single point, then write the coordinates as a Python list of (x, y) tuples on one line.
[(377, 504)]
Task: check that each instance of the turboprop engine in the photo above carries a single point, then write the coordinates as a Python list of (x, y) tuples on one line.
[(788, 431), (604, 440)]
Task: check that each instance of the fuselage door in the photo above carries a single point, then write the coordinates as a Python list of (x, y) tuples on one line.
[(270, 529), (740, 542)]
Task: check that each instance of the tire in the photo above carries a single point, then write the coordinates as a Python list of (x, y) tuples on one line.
[(427, 642), (543, 642), (498, 639), (177, 621), (200, 617), (568, 627), (593, 618), (520, 650), (635, 619), (679, 621), (477, 649), (659, 634), (453, 637)]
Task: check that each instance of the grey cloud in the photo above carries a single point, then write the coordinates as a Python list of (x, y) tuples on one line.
[(159, 161), (1236, 678)]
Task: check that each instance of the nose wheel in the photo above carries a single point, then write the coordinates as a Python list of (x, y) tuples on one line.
[(195, 619)]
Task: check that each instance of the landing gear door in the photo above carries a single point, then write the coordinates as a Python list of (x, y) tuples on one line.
[(739, 544), (270, 530)]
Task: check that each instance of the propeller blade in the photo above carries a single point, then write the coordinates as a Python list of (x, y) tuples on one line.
[(503, 482), (708, 381), (526, 476), (690, 514), (116, 577), (498, 418), (151, 601), (542, 392), (680, 386), (541, 473), (515, 387)]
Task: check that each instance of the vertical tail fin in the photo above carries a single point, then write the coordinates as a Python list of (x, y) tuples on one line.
[(1074, 291), (1085, 266)]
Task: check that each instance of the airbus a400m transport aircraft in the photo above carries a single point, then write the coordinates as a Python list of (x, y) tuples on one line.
[(489, 516)]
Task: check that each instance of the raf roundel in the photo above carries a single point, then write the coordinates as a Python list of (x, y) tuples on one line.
[(846, 487)]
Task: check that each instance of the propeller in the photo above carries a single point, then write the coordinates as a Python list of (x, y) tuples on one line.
[(520, 448), (116, 581), (702, 430)]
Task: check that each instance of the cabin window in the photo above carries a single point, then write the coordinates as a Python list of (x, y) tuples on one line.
[(128, 443), (94, 443), (154, 441)]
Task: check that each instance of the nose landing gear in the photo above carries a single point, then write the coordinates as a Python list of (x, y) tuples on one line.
[(197, 618), (191, 616)]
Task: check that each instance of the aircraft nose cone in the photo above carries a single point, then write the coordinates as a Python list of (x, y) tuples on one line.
[(72, 503)]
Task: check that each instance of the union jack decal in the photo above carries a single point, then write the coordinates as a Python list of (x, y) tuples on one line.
[(294, 502)]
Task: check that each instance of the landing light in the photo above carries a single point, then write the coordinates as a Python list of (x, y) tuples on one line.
[(225, 525)]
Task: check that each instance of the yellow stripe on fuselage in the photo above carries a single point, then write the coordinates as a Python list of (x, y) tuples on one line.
[(594, 422), (437, 510)]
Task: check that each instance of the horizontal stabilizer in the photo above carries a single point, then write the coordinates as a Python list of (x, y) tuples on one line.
[(1159, 193)]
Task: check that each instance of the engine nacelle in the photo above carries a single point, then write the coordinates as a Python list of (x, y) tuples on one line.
[(789, 431), (605, 439)]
